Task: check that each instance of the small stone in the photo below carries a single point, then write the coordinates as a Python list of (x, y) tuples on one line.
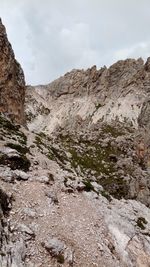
[(43, 179), (52, 196), (29, 212), (54, 246), (21, 175), (69, 190), (25, 229)]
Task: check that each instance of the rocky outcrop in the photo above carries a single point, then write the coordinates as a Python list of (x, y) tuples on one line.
[(10, 252), (90, 96), (144, 116), (12, 83), (12, 96), (100, 118)]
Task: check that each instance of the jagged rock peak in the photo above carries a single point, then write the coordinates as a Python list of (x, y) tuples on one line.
[(147, 64), (94, 95), (12, 82), (93, 80)]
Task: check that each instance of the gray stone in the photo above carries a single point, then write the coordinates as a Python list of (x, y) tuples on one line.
[(43, 179), (25, 230), (52, 195), (29, 212), (21, 175), (18, 253), (54, 246)]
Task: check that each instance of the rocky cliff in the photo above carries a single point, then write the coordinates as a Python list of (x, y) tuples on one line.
[(104, 95), (107, 109), (75, 187), (12, 84)]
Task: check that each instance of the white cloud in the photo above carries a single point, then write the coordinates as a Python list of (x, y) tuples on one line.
[(51, 37), (134, 51)]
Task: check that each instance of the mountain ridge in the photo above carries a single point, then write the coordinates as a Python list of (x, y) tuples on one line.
[(96, 95)]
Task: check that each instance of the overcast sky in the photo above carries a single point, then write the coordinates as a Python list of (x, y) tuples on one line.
[(51, 37)]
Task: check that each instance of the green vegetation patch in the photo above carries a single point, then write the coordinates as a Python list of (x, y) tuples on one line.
[(116, 186), (43, 142), (92, 156), (106, 195), (7, 124), (113, 131), (18, 147), (141, 223), (11, 130), (88, 186), (19, 162), (60, 258)]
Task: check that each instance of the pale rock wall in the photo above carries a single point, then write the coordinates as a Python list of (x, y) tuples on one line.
[(106, 95)]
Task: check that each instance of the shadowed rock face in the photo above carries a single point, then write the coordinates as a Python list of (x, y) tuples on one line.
[(145, 114), (12, 82)]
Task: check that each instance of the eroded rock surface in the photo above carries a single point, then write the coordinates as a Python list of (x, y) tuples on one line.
[(12, 83), (83, 98)]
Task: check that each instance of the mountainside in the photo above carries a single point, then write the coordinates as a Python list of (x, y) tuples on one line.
[(100, 118), (93, 95), (75, 182), (12, 84)]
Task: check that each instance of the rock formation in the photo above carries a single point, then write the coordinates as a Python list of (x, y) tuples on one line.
[(12, 84), (95, 95)]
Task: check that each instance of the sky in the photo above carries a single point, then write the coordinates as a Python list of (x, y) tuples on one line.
[(52, 37)]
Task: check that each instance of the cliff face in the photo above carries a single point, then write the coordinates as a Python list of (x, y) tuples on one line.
[(104, 95), (12, 83)]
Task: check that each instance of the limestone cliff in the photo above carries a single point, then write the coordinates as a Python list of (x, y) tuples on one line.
[(106, 95), (12, 83)]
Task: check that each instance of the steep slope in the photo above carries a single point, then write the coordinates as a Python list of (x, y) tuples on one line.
[(12, 84), (95, 117), (95, 125), (60, 218)]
